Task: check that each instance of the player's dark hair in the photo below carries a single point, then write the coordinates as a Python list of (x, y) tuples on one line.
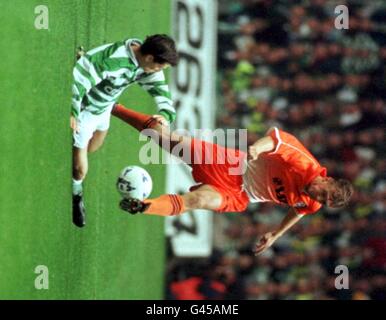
[(343, 194), (162, 48)]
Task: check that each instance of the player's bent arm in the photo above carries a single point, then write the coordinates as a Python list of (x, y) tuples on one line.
[(289, 220), (156, 85), (262, 145), (269, 238)]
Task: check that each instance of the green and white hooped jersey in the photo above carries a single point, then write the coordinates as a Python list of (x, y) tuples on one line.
[(102, 74)]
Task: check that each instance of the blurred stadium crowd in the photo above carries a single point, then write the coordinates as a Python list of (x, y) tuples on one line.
[(283, 63)]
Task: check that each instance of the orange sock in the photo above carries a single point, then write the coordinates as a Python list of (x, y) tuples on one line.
[(138, 120), (166, 205)]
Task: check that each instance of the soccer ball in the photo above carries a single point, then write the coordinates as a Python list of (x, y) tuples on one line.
[(134, 182)]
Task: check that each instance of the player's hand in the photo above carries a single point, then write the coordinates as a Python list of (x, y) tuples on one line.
[(265, 242), (74, 124), (161, 120), (253, 154)]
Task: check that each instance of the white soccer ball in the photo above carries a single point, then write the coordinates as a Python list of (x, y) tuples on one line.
[(134, 182)]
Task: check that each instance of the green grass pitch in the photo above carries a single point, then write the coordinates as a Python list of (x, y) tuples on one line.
[(115, 256)]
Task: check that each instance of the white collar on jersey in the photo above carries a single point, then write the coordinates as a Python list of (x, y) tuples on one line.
[(128, 44)]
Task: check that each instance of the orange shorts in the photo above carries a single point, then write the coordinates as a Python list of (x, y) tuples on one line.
[(221, 168)]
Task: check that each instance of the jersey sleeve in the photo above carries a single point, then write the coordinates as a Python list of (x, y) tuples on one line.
[(285, 143), (155, 84), (310, 207), (295, 155)]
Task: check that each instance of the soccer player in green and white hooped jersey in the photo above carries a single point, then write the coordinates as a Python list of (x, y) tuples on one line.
[(100, 77)]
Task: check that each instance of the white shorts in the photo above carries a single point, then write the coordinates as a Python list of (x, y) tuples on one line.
[(88, 123)]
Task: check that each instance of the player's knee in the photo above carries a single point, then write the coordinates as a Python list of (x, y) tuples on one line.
[(96, 142), (197, 201), (79, 171), (94, 147)]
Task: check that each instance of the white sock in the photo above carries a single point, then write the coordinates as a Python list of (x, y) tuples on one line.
[(77, 186)]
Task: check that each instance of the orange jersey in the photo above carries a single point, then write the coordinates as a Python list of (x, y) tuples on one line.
[(281, 175)]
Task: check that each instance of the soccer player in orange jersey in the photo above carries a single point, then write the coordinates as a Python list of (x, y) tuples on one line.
[(277, 168)]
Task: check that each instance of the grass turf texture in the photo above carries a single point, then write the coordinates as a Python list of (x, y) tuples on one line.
[(115, 256)]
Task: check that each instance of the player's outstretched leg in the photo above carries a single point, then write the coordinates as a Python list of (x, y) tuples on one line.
[(79, 168), (159, 133), (205, 197)]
